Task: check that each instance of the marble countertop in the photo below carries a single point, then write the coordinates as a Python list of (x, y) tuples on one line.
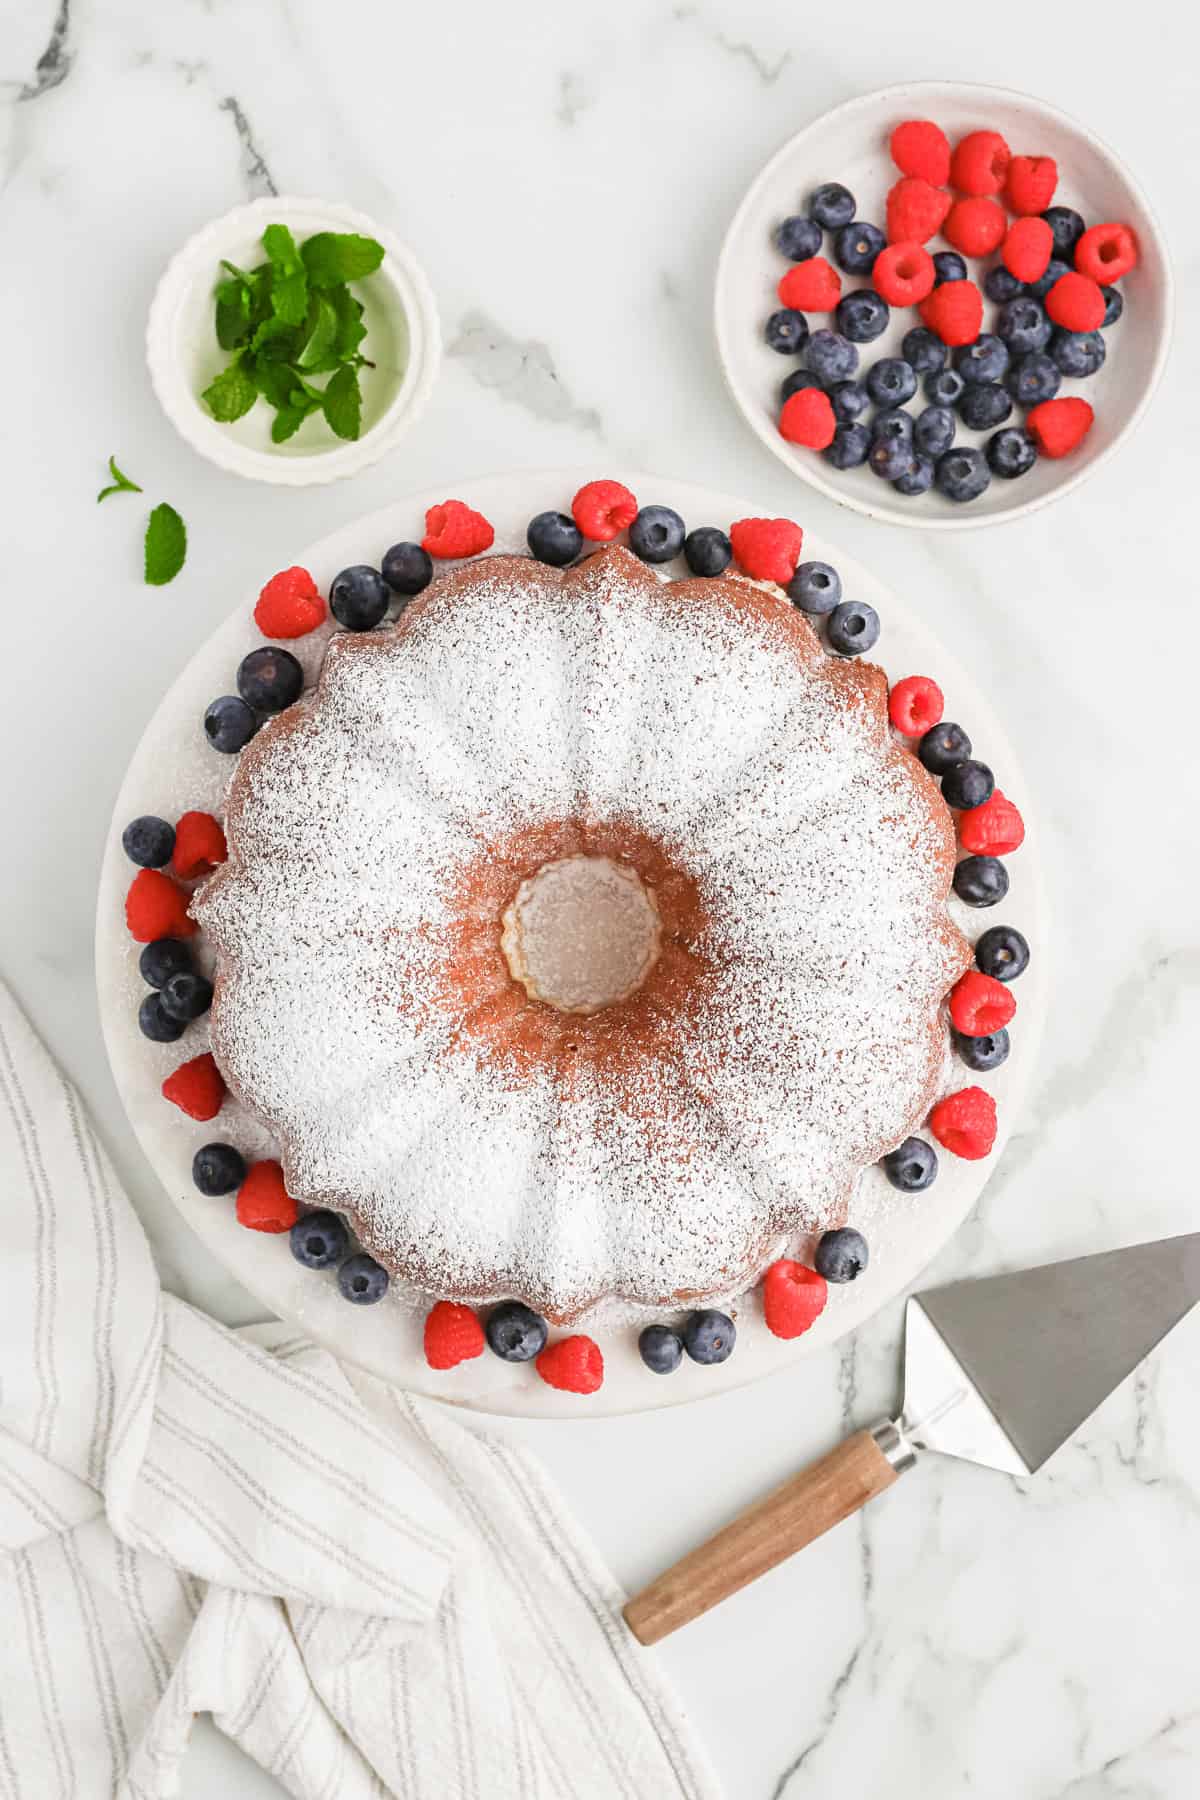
[(566, 175)]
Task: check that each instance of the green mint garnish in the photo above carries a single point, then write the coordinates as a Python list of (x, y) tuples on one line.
[(334, 257), (343, 402), (166, 545), (232, 393), (320, 334), (120, 484)]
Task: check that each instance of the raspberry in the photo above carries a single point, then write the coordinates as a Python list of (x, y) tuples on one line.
[(811, 286), (916, 705), (603, 509), (976, 227), (1028, 249), (994, 829), (965, 1123), (455, 529), (921, 148), (915, 210), (1031, 183), (156, 908), (954, 311), (199, 846), (767, 549), (904, 274), (1075, 302), (452, 1332), (793, 1297), (808, 418), (196, 1088), (1057, 426), (289, 606), (263, 1203), (573, 1364), (979, 1004), (980, 163), (1106, 252)]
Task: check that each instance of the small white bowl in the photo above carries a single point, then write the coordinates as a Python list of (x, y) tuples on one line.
[(850, 145), (403, 340)]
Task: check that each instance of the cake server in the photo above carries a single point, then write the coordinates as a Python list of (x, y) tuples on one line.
[(999, 1372)]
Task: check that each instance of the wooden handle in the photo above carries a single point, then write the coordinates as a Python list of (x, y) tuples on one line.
[(796, 1513)]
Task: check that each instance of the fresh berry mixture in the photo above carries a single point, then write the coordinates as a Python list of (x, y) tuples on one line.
[(921, 148)]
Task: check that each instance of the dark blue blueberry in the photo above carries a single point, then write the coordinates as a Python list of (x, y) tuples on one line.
[(319, 1240), (856, 246), (218, 1169), (1002, 953), (229, 723), (515, 1332), (830, 357), (853, 628), (980, 408), (863, 315), (981, 880), (1114, 306), (891, 381), (362, 1280), (148, 841), (850, 446), (156, 1023), (707, 550), (1067, 227), (983, 1053), (709, 1337), (918, 479), (162, 959), (185, 996), (933, 430), (892, 457), (554, 538), (968, 784), (661, 1349), (407, 569), (892, 426), (948, 265), (270, 679), (786, 331), (1034, 378), (359, 597), (792, 384), (798, 238), (984, 360), (1055, 268), (924, 350), (962, 473), (1010, 453), (943, 747), (657, 534), (1000, 286), (831, 205), (850, 401), (816, 587), (1078, 353), (912, 1167), (943, 387), (841, 1255)]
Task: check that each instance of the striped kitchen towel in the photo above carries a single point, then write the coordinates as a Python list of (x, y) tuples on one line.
[(368, 1597)]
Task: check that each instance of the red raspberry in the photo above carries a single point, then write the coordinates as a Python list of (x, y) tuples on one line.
[(965, 1123), (768, 549), (921, 148), (603, 509), (573, 1364), (1031, 183), (915, 210), (1076, 303), (954, 311), (976, 227), (808, 418), (199, 846), (994, 829), (793, 1297), (289, 606), (196, 1088), (979, 1004), (980, 163), (1057, 426), (263, 1203), (156, 908), (1028, 249), (915, 705), (1106, 252), (811, 286), (904, 274), (452, 1335), (455, 529)]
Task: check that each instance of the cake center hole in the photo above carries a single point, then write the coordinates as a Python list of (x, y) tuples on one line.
[(581, 933)]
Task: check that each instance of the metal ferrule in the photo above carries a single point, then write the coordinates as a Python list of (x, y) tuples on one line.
[(890, 1438)]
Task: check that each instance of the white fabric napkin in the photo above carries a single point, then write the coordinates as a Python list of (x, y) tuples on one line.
[(369, 1598)]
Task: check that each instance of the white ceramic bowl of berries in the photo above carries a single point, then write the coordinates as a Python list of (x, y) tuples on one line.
[(944, 305)]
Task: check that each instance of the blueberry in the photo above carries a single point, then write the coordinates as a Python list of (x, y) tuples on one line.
[(853, 627), (841, 1255), (407, 569), (918, 479), (856, 246), (162, 959), (148, 841), (362, 1280), (270, 679), (862, 316), (229, 724), (1000, 286), (968, 784), (798, 238), (981, 880), (850, 446), (982, 407), (830, 357), (1055, 269), (933, 430), (923, 350), (892, 426), (850, 401), (816, 587), (1078, 353), (554, 538), (948, 265), (657, 534), (786, 331), (359, 597), (832, 205), (984, 360), (1010, 453), (891, 381), (792, 384), (983, 1053), (516, 1332), (892, 457), (707, 551), (218, 1169), (943, 747), (1002, 953), (912, 1167), (185, 996), (1067, 227), (156, 1023), (319, 1240), (709, 1337), (1022, 324), (1114, 306), (943, 387), (1034, 379), (660, 1348)]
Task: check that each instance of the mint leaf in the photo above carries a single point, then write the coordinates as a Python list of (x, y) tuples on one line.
[(280, 246), (289, 282), (120, 484), (276, 335), (332, 257), (289, 419), (234, 302), (275, 381), (166, 545), (342, 402), (320, 330), (350, 329), (231, 394)]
